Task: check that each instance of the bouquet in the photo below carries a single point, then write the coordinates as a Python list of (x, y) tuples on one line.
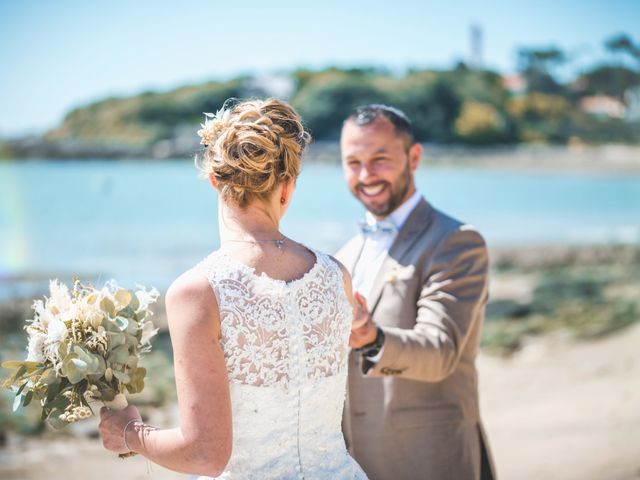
[(84, 346)]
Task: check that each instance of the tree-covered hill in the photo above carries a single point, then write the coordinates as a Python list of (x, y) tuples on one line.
[(457, 106)]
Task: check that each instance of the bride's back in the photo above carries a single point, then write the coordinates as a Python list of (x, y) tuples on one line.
[(285, 347)]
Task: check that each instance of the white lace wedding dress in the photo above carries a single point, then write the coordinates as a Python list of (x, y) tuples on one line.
[(285, 346)]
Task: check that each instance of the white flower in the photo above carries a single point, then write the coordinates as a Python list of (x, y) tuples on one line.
[(148, 332), (56, 334), (60, 300), (213, 126), (42, 316), (145, 297), (36, 346)]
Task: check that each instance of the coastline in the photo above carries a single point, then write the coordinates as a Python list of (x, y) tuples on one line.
[(582, 158)]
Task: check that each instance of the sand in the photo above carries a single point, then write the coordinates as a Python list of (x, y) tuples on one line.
[(558, 409)]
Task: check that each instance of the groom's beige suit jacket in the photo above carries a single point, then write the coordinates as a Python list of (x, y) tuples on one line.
[(414, 414)]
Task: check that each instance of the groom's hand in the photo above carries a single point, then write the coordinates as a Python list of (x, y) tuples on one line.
[(363, 330)]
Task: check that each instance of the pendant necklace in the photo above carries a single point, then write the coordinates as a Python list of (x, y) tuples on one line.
[(279, 243)]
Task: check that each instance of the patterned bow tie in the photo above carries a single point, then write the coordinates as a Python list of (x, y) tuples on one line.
[(384, 227)]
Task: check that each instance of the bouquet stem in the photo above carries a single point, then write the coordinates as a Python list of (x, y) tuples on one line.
[(119, 402)]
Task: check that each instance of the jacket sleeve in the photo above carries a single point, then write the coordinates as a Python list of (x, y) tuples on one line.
[(452, 296)]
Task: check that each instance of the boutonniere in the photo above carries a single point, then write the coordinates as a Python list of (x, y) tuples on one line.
[(392, 277)]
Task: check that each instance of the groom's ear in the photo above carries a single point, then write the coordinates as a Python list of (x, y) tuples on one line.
[(415, 153)]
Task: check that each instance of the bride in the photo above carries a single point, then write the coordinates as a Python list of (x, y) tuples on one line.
[(259, 328)]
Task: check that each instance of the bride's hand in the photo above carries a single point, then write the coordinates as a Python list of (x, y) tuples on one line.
[(112, 423)]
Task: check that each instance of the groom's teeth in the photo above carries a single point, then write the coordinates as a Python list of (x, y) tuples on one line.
[(371, 191)]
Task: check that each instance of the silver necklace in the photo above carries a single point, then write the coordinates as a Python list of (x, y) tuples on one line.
[(279, 243)]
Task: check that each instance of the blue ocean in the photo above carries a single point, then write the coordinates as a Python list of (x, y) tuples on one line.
[(148, 221)]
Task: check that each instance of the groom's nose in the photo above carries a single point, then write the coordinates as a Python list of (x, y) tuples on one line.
[(366, 173)]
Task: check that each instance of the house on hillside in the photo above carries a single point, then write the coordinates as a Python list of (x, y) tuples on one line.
[(515, 84), (603, 106)]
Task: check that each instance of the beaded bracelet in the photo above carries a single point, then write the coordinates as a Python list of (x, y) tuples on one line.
[(124, 432)]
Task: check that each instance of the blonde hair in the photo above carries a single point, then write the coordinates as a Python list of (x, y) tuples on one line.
[(251, 147)]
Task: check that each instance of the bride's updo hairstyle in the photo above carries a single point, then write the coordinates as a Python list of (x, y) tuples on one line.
[(251, 147)]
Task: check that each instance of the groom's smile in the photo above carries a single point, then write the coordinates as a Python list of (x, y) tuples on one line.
[(373, 190)]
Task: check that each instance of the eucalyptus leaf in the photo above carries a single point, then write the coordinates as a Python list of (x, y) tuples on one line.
[(122, 323), (132, 362), (116, 338), (131, 340), (122, 298), (134, 304), (52, 391), (21, 388), (107, 394), (128, 312), (18, 373), (27, 398), (138, 374), (102, 367), (74, 368), (119, 355), (50, 378), (12, 364), (59, 401), (91, 360), (63, 350), (107, 306), (136, 384), (16, 403), (54, 419), (133, 327), (123, 377)]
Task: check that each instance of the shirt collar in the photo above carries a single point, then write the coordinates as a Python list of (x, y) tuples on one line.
[(400, 214)]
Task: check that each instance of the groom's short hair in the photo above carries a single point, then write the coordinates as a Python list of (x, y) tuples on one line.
[(366, 114)]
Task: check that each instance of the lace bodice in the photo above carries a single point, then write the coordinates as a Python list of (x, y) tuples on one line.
[(285, 347)]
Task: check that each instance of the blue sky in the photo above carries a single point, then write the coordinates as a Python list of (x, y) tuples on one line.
[(56, 55)]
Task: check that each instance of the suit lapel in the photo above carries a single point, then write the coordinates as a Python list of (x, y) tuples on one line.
[(417, 222)]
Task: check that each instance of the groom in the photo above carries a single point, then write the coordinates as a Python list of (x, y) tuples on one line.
[(412, 400)]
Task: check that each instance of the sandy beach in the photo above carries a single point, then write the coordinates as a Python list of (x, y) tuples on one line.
[(558, 409)]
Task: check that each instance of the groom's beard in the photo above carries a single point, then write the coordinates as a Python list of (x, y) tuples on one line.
[(397, 195)]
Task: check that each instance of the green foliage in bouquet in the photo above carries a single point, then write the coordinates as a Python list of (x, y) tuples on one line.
[(84, 346)]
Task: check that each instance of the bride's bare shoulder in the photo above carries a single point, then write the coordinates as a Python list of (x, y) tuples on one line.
[(191, 288)]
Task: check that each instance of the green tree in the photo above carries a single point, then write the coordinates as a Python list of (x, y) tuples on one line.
[(325, 99), (622, 44), (608, 80), (538, 67), (480, 123), (541, 117)]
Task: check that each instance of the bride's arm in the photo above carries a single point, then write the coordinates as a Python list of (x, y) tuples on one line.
[(202, 443)]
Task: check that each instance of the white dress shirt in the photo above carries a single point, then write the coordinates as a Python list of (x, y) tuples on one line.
[(376, 248)]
